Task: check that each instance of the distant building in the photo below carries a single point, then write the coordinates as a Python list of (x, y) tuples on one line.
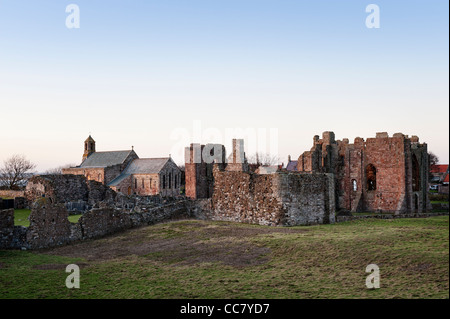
[(291, 165), (125, 172), (438, 173)]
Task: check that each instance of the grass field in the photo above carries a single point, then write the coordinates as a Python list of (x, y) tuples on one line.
[(204, 259), (21, 217)]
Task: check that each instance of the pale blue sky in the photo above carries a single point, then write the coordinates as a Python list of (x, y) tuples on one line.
[(137, 72)]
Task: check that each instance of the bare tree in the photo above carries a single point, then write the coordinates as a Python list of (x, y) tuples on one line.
[(58, 170), (263, 159), (15, 171), (433, 159)]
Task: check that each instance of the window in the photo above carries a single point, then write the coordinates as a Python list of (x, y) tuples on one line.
[(135, 183), (143, 186), (164, 182), (170, 180), (175, 186), (354, 185), (415, 174), (371, 175)]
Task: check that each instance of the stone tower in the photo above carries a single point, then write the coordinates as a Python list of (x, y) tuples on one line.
[(89, 147)]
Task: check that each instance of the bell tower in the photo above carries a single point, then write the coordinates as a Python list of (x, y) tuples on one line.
[(89, 147)]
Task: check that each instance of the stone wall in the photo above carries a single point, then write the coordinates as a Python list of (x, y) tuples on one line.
[(59, 188), (280, 199), (49, 224), (11, 236), (6, 227), (11, 194), (68, 189), (384, 173)]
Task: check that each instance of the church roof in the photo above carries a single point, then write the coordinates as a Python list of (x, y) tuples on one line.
[(104, 159), (141, 166), (146, 165)]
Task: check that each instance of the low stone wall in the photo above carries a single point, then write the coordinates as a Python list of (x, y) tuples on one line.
[(340, 219), (11, 236), (11, 194), (49, 224)]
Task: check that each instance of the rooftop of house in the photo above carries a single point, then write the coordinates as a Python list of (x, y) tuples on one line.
[(439, 168)]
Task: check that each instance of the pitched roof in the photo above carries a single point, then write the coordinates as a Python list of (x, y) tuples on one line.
[(292, 166), (446, 179), (146, 165), (439, 168), (141, 166), (104, 159)]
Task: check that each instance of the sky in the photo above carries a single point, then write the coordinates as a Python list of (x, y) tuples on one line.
[(159, 75)]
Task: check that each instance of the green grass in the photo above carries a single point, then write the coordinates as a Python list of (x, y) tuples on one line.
[(21, 217), (204, 259)]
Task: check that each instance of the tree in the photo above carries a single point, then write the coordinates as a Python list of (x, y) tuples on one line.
[(263, 159), (433, 159), (58, 170), (15, 171)]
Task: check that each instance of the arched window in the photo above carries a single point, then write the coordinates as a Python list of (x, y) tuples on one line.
[(371, 175), (415, 174), (354, 185)]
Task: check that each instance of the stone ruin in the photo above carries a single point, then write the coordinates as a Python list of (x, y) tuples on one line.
[(229, 191), (382, 174)]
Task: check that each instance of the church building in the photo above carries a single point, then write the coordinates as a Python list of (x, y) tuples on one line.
[(125, 172)]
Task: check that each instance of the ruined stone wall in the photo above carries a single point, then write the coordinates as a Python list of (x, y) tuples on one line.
[(60, 188), (400, 165), (281, 199), (197, 180), (247, 198), (98, 192), (388, 156), (49, 224), (66, 189), (6, 227), (307, 198), (11, 236)]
